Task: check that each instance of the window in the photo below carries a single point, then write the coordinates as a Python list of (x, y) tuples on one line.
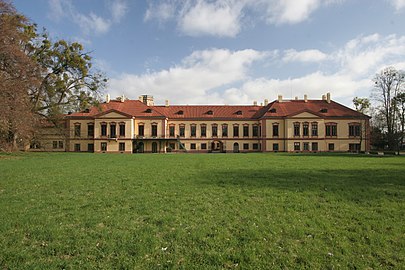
[(90, 130), (103, 146), (121, 146), (255, 146), (354, 130), (224, 130), (122, 129), (171, 131), (172, 146), (141, 130), (245, 146), (203, 130), (314, 146), (55, 144), (331, 147), (203, 146), (210, 112), (193, 130), (314, 129), (236, 130), (275, 130), (297, 146), (77, 130), (214, 130), (182, 129), (296, 129), (331, 129), (154, 130), (113, 130), (306, 146), (90, 147), (354, 147), (103, 129), (77, 147), (305, 129), (255, 131), (192, 146), (60, 143), (245, 131), (275, 146)]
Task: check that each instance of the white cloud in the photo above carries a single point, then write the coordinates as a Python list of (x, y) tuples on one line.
[(162, 12), (304, 56), (88, 23), (398, 4)]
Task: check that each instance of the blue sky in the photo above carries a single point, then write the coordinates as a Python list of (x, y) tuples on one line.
[(231, 51)]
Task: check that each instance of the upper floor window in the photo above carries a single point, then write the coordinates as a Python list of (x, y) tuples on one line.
[(154, 130), (90, 130), (171, 130), (245, 130), (182, 130), (236, 130), (141, 130), (255, 131), (77, 129), (331, 129), (305, 129), (354, 130), (203, 130), (193, 130), (314, 129), (113, 130), (275, 130), (122, 129), (224, 130), (214, 130), (103, 129), (296, 129)]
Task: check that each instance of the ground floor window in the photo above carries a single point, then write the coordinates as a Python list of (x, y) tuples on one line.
[(192, 146), (103, 146), (314, 146), (57, 144), (275, 146), (306, 146), (255, 146), (354, 147), (90, 147), (77, 147), (297, 146), (121, 146), (172, 146), (331, 147), (245, 146), (203, 146)]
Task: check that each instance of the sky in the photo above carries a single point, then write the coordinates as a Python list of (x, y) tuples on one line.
[(231, 51)]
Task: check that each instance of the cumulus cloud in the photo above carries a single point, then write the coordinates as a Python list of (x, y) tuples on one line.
[(398, 4), (221, 76), (88, 23)]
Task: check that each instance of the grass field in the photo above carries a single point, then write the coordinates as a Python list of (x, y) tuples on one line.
[(207, 211)]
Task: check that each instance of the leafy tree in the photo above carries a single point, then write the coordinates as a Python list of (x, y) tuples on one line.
[(361, 104), (400, 101), (389, 84)]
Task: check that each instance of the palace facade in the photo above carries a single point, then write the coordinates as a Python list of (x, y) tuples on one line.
[(139, 126)]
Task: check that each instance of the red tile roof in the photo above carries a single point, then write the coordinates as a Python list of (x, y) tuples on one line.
[(285, 108)]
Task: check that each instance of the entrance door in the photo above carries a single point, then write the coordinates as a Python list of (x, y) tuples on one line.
[(154, 147), (236, 147)]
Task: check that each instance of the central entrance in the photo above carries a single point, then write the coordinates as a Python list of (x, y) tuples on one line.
[(217, 146)]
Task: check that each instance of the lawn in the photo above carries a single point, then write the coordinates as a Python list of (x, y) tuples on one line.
[(201, 211)]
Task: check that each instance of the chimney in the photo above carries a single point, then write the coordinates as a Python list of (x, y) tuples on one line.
[(296, 98), (122, 98), (323, 97), (280, 98), (107, 98), (166, 103), (305, 98), (147, 100), (328, 97), (255, 103), (266, 101)]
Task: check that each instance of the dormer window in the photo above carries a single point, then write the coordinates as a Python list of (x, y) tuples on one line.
[(210, 112), (148, 110), (324, 110), (180, 112), (239, 112), (273, 110)]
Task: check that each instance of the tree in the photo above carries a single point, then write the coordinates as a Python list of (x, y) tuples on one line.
[(362, 105), (389, 83), (400, 101), (18, 72)]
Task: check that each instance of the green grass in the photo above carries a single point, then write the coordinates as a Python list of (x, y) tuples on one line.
[(208, 211)]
